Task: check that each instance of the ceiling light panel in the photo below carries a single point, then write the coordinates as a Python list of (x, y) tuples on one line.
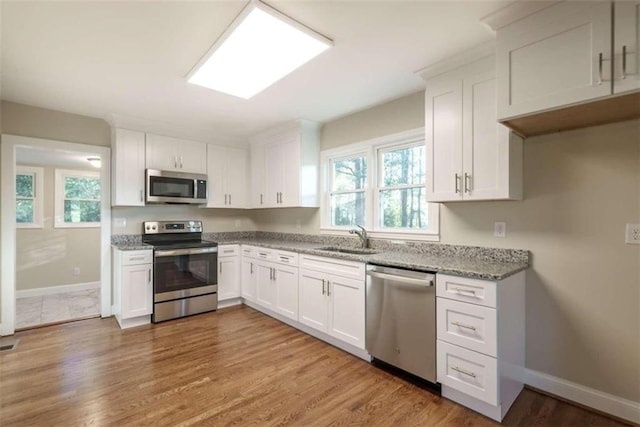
[(259, 48)]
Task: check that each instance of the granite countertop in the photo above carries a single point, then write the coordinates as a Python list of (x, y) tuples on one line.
[(477, 268), (466, 261)]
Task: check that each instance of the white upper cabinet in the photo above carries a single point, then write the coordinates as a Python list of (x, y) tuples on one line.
[(227, 177), (173, 154), (626, 43), (470, 155), (285, 166), (127, 167)]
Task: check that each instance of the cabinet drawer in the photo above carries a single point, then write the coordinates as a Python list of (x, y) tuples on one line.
[(348, 269), (137, 257), (262, 253), (286, 258), (474, 291), (248, 251), (467, 325), (468, 372), (228, 250)]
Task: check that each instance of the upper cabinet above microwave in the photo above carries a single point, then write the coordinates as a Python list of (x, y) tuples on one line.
[(173, 154), (569, 65)]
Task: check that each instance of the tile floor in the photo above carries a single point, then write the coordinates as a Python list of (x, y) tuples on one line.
[(32, 311)]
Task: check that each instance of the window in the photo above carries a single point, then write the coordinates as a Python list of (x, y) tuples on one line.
[(379, 184), (29, 186), (77, 198), (347, 197)]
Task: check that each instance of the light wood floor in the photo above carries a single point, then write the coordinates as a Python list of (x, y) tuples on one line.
[(233, 367)]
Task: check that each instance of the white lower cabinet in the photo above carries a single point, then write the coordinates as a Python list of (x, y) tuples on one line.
[(321, 296), (480, 345), (133, 287), (228, 272), (331, 303)]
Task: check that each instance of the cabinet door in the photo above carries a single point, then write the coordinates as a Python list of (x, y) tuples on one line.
[(313, 300), (552, 58), (228, 278), (290, 187), (216, 160), (257, 176), (485, 145), (286, 279), (236, 177), (266, 289), (274, 164), (137, 290), (346, 310), (443, 139), (248, 279), (626, 74), (161, 153), (192, 156), (128, 173)]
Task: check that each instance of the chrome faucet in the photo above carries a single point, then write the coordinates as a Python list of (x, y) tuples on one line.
[(362, 234)]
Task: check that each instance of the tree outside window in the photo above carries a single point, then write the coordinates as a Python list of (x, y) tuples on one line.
[(29, 197), (347, 196), (77, 198)]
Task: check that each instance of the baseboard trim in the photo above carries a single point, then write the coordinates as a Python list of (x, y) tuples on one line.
[(590, 397), (50, 290)]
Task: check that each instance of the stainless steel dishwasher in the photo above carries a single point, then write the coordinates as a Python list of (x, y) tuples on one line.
[(401, 319)]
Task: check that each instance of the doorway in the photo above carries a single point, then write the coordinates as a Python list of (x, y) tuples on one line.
[(77, 214)]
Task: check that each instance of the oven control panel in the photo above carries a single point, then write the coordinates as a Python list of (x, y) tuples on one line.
[(160, 227)]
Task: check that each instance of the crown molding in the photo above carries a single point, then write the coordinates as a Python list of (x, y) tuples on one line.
[(514, 12), (463, 58)]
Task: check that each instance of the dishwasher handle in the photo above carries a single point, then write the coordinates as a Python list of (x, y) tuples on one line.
[(402, 279)]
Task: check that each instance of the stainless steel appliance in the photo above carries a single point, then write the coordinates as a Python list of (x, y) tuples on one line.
[(401, 319), (184, 269), (176, 187)]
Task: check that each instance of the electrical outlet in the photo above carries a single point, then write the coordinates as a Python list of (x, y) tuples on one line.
[(500, 229), (632, 236), (119, 222), (298, 223), (76, 271), (238, 222)]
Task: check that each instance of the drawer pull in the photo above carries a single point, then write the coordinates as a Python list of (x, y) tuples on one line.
[(464, 291), (228, 251), (463, 371), (136, 258), (462, 325), (262, 254), (285, 259)]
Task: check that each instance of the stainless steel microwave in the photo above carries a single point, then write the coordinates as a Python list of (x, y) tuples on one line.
[(176, 187)]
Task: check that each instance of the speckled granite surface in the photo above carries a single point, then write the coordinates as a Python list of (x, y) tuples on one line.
[(468, 261), (129, 242)]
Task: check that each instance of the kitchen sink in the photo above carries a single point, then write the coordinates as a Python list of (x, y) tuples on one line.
[(353, 251)]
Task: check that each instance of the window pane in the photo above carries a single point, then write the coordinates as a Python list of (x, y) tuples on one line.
[(347, 209), (81, 211), (349, 174), (404, 208), (24, 211), (404, 166), (24, 185), (81, 188)]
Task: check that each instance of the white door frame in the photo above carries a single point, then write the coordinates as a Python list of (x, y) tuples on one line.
[(8, 225)]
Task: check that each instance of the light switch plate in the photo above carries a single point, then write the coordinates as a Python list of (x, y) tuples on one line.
[(119, 222), (632, 235), (500, 229)]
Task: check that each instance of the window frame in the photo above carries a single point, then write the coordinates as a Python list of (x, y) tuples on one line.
[(372, 150), (38, 188), (60, 177), (365, 191)]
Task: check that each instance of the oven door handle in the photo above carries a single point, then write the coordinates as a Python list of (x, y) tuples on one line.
[(192, 251)]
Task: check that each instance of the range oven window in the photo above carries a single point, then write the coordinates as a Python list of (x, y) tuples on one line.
[(180, 272), (162, 186)]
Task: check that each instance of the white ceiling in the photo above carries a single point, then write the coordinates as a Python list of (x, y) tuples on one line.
[(56, 158), (130, 58)]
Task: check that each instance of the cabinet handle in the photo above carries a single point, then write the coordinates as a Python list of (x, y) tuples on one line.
[(220, 268), (250, 268), (141, 196), (462, 325), (180, 162), (229, 198), (462, 291), (624, 62), (457, 185), (175, 162), (149, 276), (322, 286), (328, 288), (463, 371), (136, 258), (600, 68), (260, 198), (274, 274), (467, 183)]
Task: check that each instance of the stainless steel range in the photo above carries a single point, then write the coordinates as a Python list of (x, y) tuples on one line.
[(185, 280)]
